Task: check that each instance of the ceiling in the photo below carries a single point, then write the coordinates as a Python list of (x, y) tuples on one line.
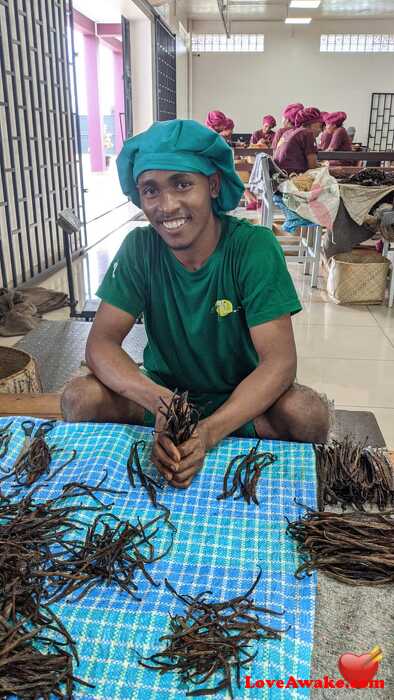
[(271, 10), (108, 11)]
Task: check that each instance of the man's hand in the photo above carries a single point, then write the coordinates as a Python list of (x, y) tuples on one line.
[(179, 464), (192, 457), (165, 455)]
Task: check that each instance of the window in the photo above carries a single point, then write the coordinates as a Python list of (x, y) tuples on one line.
[(220, 42), (357, 43)]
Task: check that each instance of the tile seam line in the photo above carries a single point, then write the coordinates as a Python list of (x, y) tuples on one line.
[(384, 333)]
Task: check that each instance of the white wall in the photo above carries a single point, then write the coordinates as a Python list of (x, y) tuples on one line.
[(291, 69), (142, 74)]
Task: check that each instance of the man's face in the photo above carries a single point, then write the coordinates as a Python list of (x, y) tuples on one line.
[(178, 205)]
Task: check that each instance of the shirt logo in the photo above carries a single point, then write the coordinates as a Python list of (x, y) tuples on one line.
[(114, 268), (224, 307)]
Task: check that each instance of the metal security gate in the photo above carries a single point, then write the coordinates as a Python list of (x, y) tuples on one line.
[(381, 122), (40, 169), (128, 95), (165, 72)]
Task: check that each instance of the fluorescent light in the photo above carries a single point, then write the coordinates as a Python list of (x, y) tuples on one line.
[(305, 4), (298, 20)]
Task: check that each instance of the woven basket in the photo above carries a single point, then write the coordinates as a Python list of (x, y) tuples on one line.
[(18, 372), (357, 278)]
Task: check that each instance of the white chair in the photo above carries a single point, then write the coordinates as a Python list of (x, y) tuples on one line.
[(388, 252), (309, 251), (309, 248)]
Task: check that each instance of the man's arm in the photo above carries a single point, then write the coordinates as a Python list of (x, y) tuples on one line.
[(276, 372), (113, 366)]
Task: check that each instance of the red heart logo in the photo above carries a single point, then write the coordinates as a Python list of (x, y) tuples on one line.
[(359, 670)]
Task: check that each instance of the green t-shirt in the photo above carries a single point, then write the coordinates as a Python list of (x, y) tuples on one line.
[(197, 323)]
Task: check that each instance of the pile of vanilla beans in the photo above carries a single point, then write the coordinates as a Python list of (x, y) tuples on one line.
[(33, 462), (210, 642), (355, 547), (43, 559), (246, 474), (352, 474)]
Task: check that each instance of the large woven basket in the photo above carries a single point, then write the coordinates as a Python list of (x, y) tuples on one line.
[(18, 372), (357, 278)]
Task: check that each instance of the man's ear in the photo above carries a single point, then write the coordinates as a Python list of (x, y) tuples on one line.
[(214, 185)]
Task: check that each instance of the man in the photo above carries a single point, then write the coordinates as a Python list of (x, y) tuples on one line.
[(216, 297)]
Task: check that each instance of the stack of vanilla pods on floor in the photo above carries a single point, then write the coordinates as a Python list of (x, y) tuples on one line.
[(355, 547), (352, 474)]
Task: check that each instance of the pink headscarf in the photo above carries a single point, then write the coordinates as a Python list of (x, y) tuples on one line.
[(229, 124), (290, 112), (270, 120), (308, 115), (336, 118), (324, 116), (216, 120)]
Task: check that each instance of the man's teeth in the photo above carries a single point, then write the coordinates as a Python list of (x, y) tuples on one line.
[(175, 223)]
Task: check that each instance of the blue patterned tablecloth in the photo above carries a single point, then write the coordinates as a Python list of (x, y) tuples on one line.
[(218, 546)]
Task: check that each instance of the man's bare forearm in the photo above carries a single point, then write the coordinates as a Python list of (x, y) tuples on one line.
[(115, 368), (252, 397)]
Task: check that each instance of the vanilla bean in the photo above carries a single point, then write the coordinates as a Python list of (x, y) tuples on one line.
[(181, 418), (355, 548), (352, 474), (209, 642), (246, 475)]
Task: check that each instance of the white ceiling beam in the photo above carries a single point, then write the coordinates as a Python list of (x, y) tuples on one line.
[(225, 16)]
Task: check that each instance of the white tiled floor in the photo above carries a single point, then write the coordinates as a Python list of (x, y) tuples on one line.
[(345, 352)]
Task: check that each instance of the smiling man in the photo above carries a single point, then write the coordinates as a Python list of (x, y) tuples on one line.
[(217, 301)]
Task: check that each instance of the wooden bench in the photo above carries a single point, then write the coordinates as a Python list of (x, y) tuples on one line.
[(35, 405)]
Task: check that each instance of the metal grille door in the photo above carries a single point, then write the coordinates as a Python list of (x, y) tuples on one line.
[(39, 136), (381, 122), (165, 72)]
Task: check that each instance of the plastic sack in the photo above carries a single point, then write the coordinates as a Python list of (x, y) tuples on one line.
[(320, 203)]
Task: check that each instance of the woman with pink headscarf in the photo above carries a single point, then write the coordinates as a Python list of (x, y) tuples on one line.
[(297, 150), (289, 115), (325, 136), (339, 138), (227, 132), (265, 135), (216, 120)]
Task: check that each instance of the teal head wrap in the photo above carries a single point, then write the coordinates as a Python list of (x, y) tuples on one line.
[(182, 145)]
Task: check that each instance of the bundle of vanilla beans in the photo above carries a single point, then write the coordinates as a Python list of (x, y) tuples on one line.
[(34, 462), (355, 548), (44, 557), (246, 474), (210, 642), (181, 417), (369, 177), (353, 474)]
